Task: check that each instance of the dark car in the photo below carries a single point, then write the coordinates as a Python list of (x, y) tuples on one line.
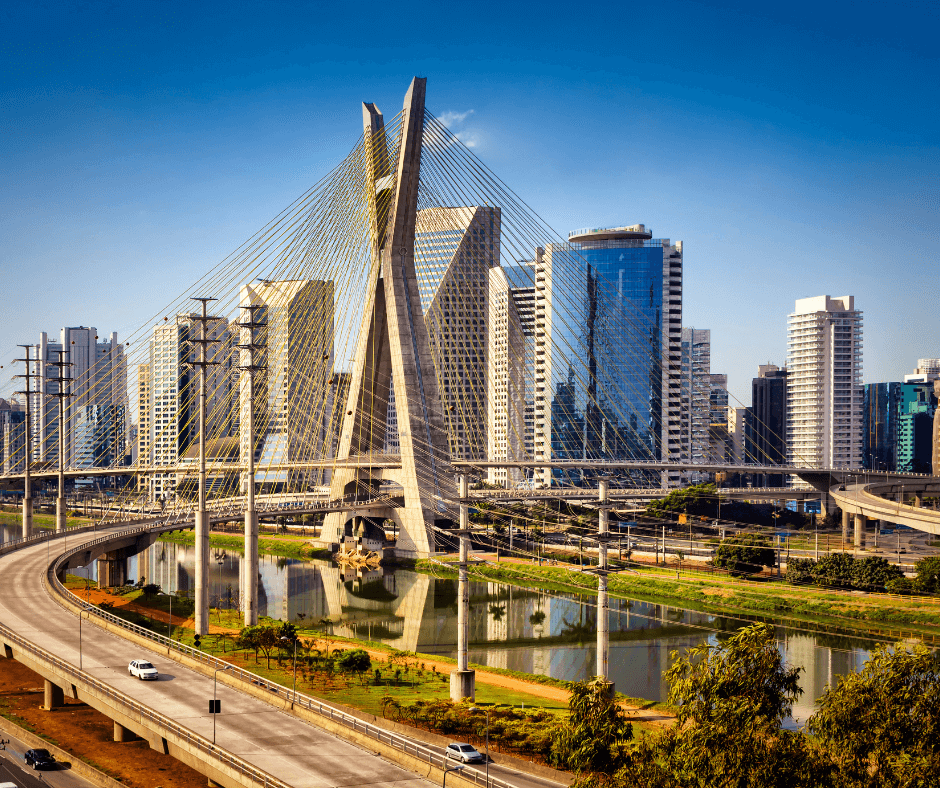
[(39, 759)]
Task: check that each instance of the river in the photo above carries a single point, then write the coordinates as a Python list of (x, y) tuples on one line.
[(525, 630)]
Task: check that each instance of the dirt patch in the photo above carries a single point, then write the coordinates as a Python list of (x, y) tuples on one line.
[(88, 735)]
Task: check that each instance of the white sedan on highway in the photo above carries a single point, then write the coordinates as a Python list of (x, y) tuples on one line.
[(143, 670)]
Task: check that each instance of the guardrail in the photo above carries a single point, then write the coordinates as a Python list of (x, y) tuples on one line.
[(240, 674)]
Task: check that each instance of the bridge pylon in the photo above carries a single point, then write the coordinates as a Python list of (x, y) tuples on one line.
[(393, 354)]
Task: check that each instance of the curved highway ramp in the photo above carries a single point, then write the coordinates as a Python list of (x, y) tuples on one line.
[(260, 740)]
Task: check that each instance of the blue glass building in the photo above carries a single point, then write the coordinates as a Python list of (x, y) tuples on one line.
[(608, 305)]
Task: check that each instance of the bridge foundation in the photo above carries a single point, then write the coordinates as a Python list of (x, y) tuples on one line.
[(859, 530), (123, 734), (112, 571), (53, 696)]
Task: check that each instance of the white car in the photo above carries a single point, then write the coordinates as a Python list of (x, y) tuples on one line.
[(463, 752), (143, 670)]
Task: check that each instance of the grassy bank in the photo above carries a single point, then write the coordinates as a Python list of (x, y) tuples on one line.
[(847, 613), (42, 521), (286, 547)]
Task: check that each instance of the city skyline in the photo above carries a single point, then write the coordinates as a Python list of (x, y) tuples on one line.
[(144, 164)]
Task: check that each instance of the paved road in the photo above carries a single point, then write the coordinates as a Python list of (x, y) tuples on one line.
[(14, 770), (290, 749)]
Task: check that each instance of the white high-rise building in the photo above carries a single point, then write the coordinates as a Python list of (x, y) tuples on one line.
[(824, 383), (96, 413), (174, 401)]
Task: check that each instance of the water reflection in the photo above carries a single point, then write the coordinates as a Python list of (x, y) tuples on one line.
[(518, 629)]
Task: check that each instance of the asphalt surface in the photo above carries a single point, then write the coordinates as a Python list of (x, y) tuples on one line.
[(287, 748), (13, 769)]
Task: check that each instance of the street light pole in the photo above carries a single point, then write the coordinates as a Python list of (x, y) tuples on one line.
[(294, 688), (215, 688), (474, 708), (27, 452), (61, 520)]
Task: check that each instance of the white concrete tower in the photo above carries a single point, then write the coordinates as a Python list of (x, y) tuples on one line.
[(824, 383)]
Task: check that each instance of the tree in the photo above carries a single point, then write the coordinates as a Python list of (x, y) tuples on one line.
[(928, 574), (731, 699), (881, 726), (835, 570), (593, 741), (874, 573), (355, 661), (800, 570), (150, 590), (744, 554), (249, 638)]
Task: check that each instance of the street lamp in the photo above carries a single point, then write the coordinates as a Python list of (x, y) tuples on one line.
[(215, 705), (454, 769), (474, 708), (82, 609), (294, 689)]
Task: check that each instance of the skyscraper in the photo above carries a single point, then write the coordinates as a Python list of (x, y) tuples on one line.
[(174, 390), (455, 248), (608, 312), (696, 385), (824, 383), (293, 399), (96, 413), (768, 426)]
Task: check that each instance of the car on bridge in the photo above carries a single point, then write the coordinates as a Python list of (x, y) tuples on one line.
[(39, 758), (143, 670), (463, 752)]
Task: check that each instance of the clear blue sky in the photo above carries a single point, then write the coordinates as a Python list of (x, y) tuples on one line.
[(792, 148)]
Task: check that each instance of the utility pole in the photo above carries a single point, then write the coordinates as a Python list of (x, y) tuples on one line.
[(603, 623), (250, 565), (61, 522), (202, 516), (463, 680), (27, 486)]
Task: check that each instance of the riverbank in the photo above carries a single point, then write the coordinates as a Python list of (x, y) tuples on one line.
[(852, 613), (283, 546)]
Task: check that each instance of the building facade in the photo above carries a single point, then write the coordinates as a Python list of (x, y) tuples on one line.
[(824, 383), (295, 407), (607, 332), (96, 413), (767, 443), (695, 415)]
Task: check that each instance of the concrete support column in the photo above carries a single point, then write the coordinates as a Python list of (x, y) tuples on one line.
[(918, 500), (53, 697), (250, 565), (123, 734), (845, 527), (801, 506), (603, 619), (463, 680), (859, 529)]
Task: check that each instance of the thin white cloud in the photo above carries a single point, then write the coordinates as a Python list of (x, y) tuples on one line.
[(450, 118), (469, 138)]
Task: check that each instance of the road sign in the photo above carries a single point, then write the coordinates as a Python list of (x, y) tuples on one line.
[(215, 707)]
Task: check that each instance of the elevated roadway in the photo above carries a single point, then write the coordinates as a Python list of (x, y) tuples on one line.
[(882, 501), (264, 734)]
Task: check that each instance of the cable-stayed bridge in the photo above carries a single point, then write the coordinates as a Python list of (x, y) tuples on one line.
[(406, 324)]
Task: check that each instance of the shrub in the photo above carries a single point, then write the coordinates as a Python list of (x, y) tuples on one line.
[(745, 554), (801, 570)]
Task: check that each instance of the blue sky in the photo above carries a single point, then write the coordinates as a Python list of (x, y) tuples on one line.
[(793, 149)]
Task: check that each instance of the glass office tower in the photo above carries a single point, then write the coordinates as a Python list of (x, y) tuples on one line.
[(608, 326)]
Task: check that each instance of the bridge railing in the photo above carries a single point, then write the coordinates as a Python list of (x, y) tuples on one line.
[(145, 714), (307, 702)]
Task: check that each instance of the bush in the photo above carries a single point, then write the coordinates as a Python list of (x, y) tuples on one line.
[(928, 574), (800, 570), (900, 585), (744, 555), (874, 573), (835, 570)]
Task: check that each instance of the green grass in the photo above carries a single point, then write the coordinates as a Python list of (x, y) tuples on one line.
[(808, 607), (43, 521), (285, 547)]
